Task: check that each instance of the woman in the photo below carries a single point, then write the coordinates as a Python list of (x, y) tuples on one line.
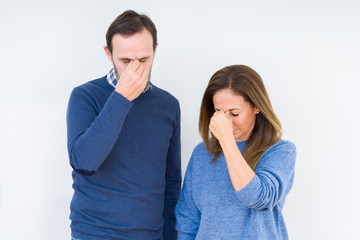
[(237, 180)]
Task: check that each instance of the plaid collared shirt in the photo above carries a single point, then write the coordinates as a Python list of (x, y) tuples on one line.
[(111, 78)]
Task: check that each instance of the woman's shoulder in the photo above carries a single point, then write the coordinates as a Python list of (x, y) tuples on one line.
[(284, 145), (200, 154), (283, 152), (200, 149)]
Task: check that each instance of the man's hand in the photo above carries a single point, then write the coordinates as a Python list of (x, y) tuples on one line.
[(132, 80), (221, 127)]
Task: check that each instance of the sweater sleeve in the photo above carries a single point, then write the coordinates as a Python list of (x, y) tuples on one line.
[(173, 180), (273, 178), (92, 134), (187, 213)]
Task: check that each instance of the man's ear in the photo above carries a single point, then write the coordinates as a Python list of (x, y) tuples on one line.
[(108, 53)]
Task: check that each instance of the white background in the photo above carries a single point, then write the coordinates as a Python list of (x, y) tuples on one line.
[(307, 52)]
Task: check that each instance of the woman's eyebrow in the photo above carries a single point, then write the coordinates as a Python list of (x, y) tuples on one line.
[(216, 109)]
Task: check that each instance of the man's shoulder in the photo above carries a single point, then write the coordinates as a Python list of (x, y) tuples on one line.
[(95, 83), (165, 95), (91, 91), (96, 87)]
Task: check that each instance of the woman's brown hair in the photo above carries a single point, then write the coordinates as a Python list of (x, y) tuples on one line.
[(243, 81)]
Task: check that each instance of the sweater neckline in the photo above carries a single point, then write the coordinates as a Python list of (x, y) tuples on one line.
[(241, 145)]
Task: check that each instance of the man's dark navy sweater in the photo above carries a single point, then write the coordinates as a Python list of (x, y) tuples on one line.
[(126, 161)]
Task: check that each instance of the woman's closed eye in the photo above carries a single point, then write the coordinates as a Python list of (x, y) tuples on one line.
[(230, 113)]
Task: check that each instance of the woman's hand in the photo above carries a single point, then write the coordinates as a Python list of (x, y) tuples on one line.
[(221, 127), (239, 171)]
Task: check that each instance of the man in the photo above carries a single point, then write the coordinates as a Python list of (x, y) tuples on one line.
[(124, 143)]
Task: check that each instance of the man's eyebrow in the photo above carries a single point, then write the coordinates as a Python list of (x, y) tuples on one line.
[(125, 59), (130, 59)]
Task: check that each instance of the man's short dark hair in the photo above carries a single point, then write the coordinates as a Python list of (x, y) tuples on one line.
[(129, 23)]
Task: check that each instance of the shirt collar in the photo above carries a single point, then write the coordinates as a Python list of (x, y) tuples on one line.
[(111, 78)]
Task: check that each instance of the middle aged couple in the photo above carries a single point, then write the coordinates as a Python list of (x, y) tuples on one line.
[(124, 148)]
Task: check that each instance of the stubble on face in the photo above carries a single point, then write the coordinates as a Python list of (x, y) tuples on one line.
[(115, 71)]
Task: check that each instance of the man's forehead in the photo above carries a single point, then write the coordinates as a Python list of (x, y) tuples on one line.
[(133, 52), (138, 41)]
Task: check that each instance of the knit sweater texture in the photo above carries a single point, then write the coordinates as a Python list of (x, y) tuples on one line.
[(210, 208), (126, 161)]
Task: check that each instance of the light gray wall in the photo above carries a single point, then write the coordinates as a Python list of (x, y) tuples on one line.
[(307, 52)]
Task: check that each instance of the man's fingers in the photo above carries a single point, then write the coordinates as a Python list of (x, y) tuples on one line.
[(139, 81), (133, 80), (145, 75), (129, 67), (136, 65), (140, 70), (135, 76), (132, 66)]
